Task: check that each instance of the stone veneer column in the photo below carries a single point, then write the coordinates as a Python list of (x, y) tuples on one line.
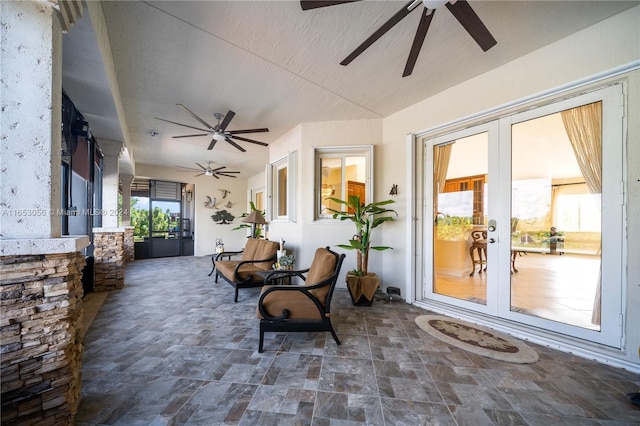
[(41, 330), (109, 258), (129, 244), (40, 273)]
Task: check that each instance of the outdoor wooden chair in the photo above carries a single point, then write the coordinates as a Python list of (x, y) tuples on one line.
[(307, 307)]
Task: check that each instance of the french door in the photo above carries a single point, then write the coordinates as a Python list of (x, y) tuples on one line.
[(525, 217)]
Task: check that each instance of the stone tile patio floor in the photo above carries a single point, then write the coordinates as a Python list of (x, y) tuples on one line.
[(172, 348)]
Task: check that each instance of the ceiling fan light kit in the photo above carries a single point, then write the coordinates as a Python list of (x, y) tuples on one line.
[(460, 9), (433, 4), (209, 171)]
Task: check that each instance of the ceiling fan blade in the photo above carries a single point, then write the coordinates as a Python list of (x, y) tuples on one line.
[(212, 144), (215, 176), (238, 132), (183, 125), (219, 168), (201, 166), (315, 4), (235, 144), (222, 174), (402, 13), (226, 120), (421, 33), (249, 140), (189, 136), (226, 171), (199, 174), (193, 114), (472, 23)]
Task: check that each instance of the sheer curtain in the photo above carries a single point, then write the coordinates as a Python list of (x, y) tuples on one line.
[(584, 128), (441, 158)]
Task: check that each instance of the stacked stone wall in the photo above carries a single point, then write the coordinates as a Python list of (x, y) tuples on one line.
[(41, 338), (108, 256), (129, 245)]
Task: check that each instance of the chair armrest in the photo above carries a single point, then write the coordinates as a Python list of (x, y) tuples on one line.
[(227, 254), (244, 262), (285, 313)]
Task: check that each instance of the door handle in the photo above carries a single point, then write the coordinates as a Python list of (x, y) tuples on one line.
[(492, 240)]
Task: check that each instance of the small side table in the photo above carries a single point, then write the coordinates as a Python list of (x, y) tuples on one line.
[(277, 277)]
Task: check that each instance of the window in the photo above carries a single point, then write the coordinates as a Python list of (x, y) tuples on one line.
[(342, 172), (281, 189)]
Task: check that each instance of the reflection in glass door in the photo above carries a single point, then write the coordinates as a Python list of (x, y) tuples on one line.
[(556, 216), (460, 216)]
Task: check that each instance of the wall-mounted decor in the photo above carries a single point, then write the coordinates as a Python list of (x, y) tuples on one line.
[(211, 203), (223, 217), (225, 192)]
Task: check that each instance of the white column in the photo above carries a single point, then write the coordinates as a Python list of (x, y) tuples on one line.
[(110, 181), (31, 97), (126, 180)]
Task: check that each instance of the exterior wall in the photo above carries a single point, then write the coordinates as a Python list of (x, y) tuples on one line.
[(610, 44), (305, 235), (41, 326)]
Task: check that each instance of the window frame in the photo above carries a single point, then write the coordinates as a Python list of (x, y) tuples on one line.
[(341, 152), (273, 186)]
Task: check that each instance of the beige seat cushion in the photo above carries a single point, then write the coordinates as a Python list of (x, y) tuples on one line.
[(227, 268), (298, 305), (322, 267), (266, 250), (250, 249), (254, 249)]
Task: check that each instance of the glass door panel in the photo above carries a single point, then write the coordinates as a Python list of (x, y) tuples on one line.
[(556, 232), (566, 209), (165, 228), (460, 215)]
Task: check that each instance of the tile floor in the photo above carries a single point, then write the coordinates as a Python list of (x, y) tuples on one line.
[(172, 348)]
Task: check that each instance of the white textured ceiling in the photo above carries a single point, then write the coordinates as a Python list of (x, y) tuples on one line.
[(277, 66)]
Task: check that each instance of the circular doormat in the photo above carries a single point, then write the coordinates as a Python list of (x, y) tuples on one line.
[(477, 339)]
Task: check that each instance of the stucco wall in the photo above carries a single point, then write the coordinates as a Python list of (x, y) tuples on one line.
[(304, 234), (206, 230)]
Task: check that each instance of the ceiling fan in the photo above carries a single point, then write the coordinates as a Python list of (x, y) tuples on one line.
[(460, 9), (218, 132), (209, 171)]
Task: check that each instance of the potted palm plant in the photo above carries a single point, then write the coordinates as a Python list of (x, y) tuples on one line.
[(361, 283)]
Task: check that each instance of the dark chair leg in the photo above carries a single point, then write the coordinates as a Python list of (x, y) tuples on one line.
[(335, 336), (261, 343), (236, 298), (214, 266)]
